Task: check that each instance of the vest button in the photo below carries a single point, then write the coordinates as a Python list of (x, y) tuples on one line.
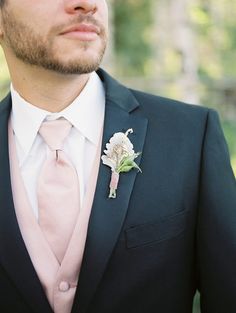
[(64, 286)]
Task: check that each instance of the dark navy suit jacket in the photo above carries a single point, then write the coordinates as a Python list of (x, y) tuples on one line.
[(171, 229)]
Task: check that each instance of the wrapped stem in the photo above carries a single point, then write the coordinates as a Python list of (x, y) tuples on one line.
[(114, 184)]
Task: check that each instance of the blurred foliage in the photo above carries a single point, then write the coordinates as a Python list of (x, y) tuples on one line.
[(132, 41), (215, 26), (137, 23)]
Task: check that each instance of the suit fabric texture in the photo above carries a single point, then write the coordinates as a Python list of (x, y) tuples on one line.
[(170, 231)]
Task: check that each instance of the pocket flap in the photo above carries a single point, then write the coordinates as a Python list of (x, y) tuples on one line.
[(161, 230)]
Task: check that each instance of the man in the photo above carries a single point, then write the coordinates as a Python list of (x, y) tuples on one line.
[(161, 235)]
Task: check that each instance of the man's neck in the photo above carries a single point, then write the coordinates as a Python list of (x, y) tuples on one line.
[(46, 89)]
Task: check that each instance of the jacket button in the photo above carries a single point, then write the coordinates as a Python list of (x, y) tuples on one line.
[(64, 286)]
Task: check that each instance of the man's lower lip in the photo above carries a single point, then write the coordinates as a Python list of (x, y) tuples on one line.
[(83, 36)]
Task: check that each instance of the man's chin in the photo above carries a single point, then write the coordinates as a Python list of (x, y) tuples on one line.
[(83, 65), (72, 68)]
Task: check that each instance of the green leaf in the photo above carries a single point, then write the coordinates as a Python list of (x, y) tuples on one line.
[(126, 168)]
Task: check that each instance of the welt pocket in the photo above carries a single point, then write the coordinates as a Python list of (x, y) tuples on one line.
[(163, 229)]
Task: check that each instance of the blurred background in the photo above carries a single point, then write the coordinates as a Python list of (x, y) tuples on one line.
[(182, 49)]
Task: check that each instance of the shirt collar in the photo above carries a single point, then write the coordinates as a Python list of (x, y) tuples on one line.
[(85, 113)]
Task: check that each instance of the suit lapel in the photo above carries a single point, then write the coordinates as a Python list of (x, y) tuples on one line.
[(108, 215), (13, 254)]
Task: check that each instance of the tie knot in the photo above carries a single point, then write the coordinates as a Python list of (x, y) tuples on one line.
[(55, 132)]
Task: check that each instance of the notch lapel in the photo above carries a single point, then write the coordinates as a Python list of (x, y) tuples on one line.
[(13, 254), (108, 215)]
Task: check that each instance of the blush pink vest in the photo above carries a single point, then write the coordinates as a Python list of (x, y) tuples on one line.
[(58, 280)]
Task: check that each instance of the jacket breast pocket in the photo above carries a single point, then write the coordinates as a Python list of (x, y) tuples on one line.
[(163, 229)]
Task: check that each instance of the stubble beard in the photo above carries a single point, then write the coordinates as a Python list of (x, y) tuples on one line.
[(31, 48)]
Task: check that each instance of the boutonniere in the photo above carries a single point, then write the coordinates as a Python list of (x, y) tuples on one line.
[(119, 156)]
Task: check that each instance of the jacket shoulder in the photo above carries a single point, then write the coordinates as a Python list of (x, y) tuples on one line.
[(172, 112), (155, 103)]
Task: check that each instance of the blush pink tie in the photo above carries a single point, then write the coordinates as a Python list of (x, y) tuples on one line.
[(58, 189)]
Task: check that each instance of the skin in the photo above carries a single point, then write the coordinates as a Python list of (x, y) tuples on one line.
[(37, 49)]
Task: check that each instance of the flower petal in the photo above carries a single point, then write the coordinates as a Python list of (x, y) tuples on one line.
[(109, 162)]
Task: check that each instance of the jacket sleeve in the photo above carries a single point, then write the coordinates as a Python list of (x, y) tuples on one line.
[(216, 230)]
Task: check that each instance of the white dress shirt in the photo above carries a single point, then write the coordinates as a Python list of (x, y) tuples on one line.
[(85, 113)]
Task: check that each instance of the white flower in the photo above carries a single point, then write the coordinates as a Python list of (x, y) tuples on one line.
[(119, 156), (119, 146)]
